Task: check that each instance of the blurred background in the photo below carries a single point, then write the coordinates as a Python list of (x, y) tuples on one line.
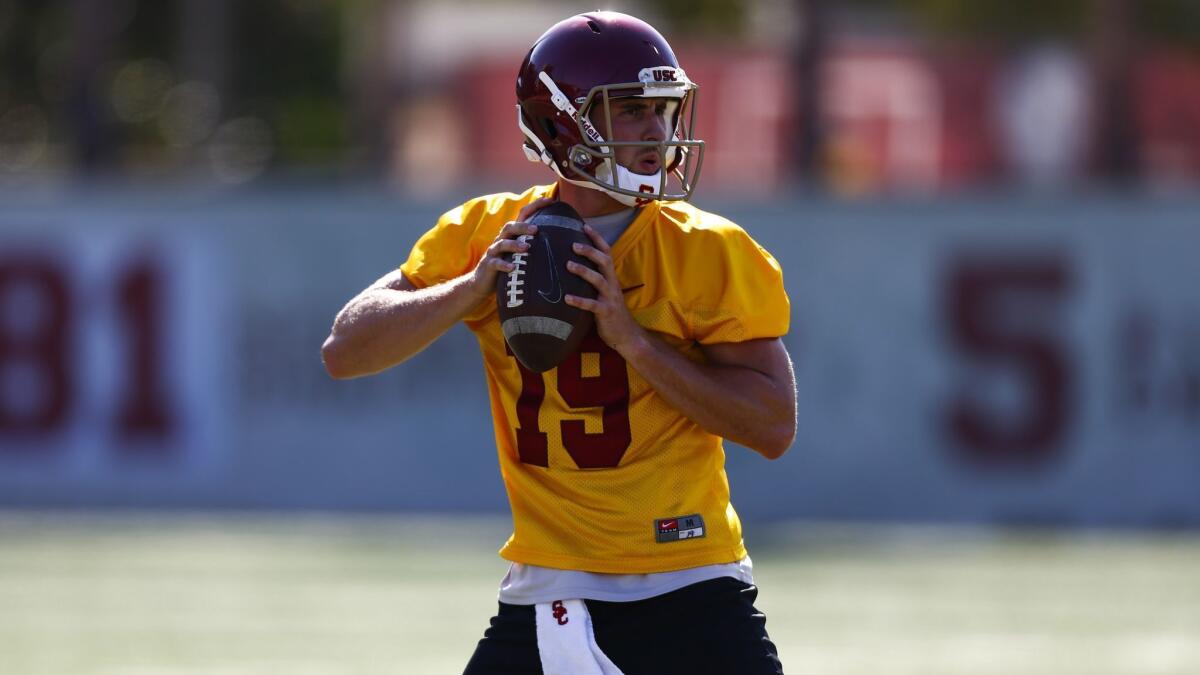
[(857, 98), (987, 214)]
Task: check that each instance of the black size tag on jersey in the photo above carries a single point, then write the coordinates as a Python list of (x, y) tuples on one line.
[(678, 528)]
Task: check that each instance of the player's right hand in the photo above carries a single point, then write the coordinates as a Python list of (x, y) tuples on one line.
[(483, 282)]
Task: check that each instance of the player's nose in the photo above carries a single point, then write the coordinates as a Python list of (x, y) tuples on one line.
[(656, 128)]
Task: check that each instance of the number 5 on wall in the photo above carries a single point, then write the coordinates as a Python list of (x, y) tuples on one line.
[(1004, 312)]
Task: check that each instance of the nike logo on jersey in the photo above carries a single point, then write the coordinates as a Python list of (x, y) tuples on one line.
[(679, 528), (556, 288)]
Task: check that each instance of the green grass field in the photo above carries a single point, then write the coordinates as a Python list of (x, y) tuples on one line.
[(229, 595)]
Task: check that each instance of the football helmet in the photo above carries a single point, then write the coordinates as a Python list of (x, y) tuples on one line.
[(591, 60)]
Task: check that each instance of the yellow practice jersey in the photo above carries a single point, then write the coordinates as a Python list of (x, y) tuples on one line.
[(602, 474)]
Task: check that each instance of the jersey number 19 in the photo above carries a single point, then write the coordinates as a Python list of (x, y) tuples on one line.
[(608, 390)]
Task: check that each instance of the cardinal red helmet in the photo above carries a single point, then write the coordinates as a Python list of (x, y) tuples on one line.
[(591, 60)]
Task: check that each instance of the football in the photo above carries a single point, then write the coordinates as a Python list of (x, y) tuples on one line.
[(540, 327)]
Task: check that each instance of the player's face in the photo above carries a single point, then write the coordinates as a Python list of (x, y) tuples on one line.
[(638, 119)]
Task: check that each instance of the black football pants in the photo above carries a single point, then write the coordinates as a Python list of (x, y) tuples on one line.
[(709, 628)]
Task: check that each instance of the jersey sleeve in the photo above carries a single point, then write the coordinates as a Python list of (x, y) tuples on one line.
[(452, 248), (740, 294)]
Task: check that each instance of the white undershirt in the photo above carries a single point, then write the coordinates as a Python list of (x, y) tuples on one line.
[(531, 584), (612, 225)]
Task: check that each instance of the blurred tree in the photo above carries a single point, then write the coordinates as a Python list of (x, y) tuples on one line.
[(106, 74), (1007, 19), (92, 35), (287, 59), (204, 36), (1173, 21), (20, 46), (699, 17), (1113, 73), (808, 53)]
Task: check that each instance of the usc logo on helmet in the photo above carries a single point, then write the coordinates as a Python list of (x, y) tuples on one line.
[(664, 76)]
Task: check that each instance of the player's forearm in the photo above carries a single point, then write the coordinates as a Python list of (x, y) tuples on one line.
[(738, 403), (384, 326)]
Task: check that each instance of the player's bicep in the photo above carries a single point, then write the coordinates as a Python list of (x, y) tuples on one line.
[(766, 356)]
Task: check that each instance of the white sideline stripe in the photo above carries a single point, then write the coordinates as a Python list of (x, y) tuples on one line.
[(539, 325)]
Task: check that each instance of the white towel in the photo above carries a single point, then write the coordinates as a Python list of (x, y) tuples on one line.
[(566, 642)]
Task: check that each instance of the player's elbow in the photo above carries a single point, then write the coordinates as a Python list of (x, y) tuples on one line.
[(777, 439), (776, 445), (337, 359), (783, 431)]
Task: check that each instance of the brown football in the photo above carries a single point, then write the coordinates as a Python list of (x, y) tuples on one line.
[(540, 327)]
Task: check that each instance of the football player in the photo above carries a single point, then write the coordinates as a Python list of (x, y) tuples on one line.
[(626, 555)]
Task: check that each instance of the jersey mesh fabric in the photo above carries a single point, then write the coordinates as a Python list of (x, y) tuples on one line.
[(692, 278)]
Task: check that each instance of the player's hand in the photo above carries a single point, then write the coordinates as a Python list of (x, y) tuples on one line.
[(483, 282), (613, 321)]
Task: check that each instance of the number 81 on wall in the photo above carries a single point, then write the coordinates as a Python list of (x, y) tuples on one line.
[(108, 348)]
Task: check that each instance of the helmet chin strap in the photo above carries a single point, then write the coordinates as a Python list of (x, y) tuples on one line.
[(628, 180)]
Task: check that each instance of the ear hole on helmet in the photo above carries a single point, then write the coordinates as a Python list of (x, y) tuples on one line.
[(594, 26), (549, 127)]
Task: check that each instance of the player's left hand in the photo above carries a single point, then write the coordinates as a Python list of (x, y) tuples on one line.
[(613, 321)]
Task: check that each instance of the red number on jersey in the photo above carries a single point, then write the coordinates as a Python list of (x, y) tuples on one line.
[(609, 390), (531, 440)]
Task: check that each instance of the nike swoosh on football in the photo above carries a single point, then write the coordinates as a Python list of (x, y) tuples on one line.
[(554, 280)]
